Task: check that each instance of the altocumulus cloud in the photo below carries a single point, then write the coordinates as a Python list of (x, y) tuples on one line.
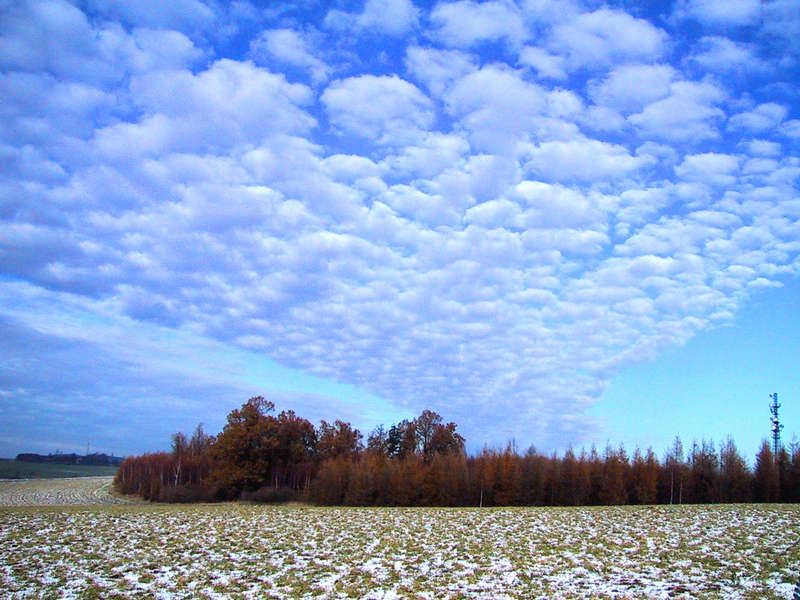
[(487, 209)]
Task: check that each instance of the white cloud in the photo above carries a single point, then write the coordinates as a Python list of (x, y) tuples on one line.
[(688, 113), (723, 55), (229, 103), (29, 163), (61, 24), (227, 87), (764, 148), (431, 156), (760, 165), (629, 88), (564, 104), (603, 119), (780, 22), (762, 118), (637, 206), (716, 218), (388, 110), (39, 109), (430, 210), (554, 205), (493, 213), (438, 69), (791, 128), (477, 179), (688, 238), (150, 136), (181, 14), (145, 50), (717, 12), (465, 23), (667, 154), (584, 160), (74, 50), (541, 11), (491, 175), (394, 17), (624, 271), (350, 167), (288, 46), (391, 17), (599, 38), (547, 66), (710, 167), (579, 241), (498, 108)]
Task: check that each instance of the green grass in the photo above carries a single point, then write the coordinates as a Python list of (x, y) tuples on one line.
[(15, 469)]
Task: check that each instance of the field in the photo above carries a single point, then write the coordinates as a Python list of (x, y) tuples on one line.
[(16, 469), (244, 551), (78, 491)]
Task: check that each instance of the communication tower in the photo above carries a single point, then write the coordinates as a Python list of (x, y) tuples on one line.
[(776, 424)]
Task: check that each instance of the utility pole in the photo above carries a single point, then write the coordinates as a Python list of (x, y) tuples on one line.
[(776, 424)]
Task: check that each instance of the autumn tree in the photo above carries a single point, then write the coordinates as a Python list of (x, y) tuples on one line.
[(180, 445), (784, 464), (331, 482), (794, 475), (406, 481), (484, 475), (703, 473), (445, 440), (644, 478), (200, 442), (573, 487), (594, 466), (407, 438), (613, 485), (378, 441), (766, 482), (675, 473), (291, 457), (453, 478), (508, 477), (245, 447), (191, 463), (533, 478), (735, 478), (425, 436), (362, 481), (339, 439)]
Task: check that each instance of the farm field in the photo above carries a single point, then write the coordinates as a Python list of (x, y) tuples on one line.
[(76, 491), (246, 551), (18, 469)]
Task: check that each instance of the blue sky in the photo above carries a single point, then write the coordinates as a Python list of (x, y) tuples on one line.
[(559, 223)]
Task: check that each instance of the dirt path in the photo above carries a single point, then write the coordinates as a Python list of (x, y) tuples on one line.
[(74, 491)]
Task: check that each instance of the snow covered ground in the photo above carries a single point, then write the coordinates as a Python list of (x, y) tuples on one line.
[(241, 551), (72, 491)]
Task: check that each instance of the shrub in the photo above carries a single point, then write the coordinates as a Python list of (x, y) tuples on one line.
[(269, 495)]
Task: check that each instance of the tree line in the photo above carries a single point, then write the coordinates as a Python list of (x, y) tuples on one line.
[(71, 459), (264, 457)]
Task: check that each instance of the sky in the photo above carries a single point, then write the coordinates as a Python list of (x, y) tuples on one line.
[(558, 223)]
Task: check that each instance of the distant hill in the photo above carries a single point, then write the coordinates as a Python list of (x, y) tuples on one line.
[(71, 459)]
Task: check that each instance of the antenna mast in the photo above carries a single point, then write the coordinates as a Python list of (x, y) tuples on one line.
[(776, 424)]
